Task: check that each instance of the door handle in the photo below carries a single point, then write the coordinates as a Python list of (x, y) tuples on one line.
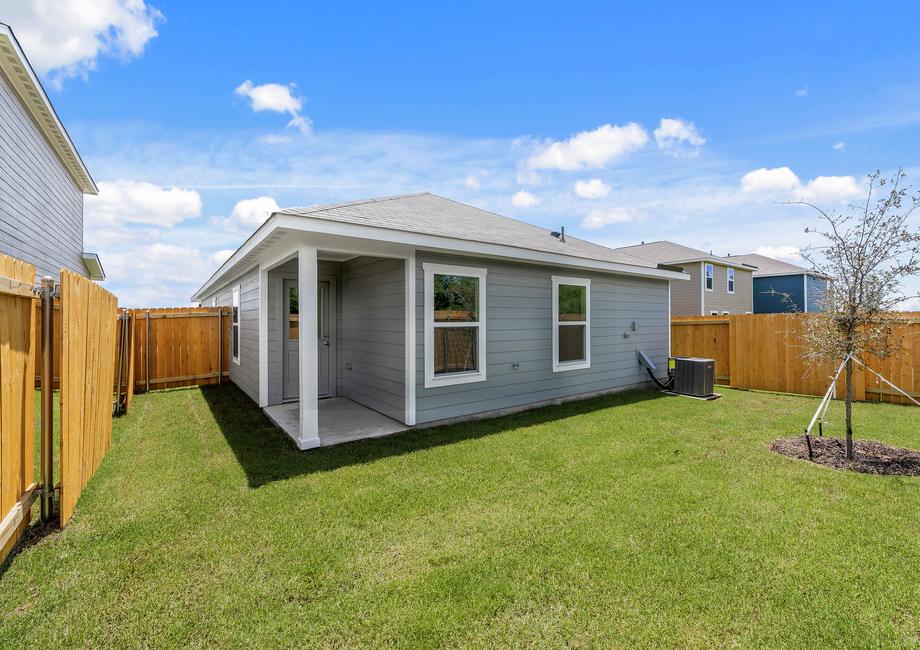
[(325, 340)]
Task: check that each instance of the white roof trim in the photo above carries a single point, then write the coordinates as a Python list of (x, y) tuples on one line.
[(425, 242), (15, 67), (820, 276)]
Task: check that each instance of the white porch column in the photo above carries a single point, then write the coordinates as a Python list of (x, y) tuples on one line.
[(263, 336), (309, 389)]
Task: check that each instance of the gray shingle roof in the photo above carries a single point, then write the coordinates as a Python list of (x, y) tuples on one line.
[(666, 252), (429, 214), (769, 266)]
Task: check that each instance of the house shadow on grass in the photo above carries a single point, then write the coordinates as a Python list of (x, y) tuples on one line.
[(266, 454)]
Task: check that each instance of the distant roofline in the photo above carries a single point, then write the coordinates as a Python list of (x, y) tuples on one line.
[(15, 67), (702, 257)]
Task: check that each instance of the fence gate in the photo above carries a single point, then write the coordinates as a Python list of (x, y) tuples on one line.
[(17, 406)]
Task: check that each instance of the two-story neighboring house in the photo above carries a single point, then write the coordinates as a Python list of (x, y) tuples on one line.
[(718, 285), (42, 178), (785, 287)]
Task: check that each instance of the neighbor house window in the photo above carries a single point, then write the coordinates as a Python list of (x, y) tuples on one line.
[(731, 280), (571, 323), (709, 277), (455, 328), (235, 326)]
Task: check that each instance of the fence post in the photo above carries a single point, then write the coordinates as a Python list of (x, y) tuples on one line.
[(220, 342), (147, 341), (47, 398)]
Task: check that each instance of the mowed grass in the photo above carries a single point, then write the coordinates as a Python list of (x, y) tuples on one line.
[(631, 520)]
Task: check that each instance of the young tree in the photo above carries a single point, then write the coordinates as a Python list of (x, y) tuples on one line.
[(868, 250)]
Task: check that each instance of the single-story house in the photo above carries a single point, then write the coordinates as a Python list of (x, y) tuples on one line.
[(42, 177), (718, 285), (423, 310), (785, 287)]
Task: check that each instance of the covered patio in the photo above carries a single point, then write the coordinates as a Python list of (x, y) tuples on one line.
[(340, 420), (340, 366)]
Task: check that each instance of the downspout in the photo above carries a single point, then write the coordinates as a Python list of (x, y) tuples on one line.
[(702, 288), (805, 290)]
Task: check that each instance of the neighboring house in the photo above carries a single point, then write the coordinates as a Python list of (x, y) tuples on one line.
[(42, 178), (422, 310), (718, 285), (783, 287)]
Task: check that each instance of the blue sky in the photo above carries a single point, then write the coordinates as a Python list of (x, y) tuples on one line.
[(697, 123)]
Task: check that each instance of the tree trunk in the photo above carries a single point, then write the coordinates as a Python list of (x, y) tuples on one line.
[(849, 409)]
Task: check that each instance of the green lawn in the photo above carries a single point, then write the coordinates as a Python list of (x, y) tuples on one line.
[(633, 520)]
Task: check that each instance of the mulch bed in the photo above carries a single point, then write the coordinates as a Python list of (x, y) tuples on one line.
[(869, 456)]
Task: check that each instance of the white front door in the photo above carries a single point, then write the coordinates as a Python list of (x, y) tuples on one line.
[(291, 341)]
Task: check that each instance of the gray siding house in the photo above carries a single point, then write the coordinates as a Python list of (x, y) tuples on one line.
[(718, 285), (42, 178), (422, 310)]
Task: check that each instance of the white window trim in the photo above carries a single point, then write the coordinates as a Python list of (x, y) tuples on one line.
[(730, 280), (235, 302), (431, 380), (714, 312), (571, 365), (707, 276)]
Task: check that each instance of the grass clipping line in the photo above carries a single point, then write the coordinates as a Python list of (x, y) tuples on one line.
[(869, 456)]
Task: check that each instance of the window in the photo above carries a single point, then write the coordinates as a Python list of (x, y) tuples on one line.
[(235, 326), (455, 329), (714, 312), (725, 313), (731, 280), (709, 277), (571, 323)]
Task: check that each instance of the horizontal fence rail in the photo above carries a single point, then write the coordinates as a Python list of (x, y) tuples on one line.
[(765, 352)]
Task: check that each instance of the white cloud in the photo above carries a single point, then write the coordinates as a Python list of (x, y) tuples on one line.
[(524, 199), (591, 149), (840, 146), (472, 183), (831, 188), (279, 99), (220, 256), (676, 135), (600, 218), (801, 92), (249, 214), (777, 179), (528, 177), (66, 38), (788, 253), (592, 189), (136, 202)]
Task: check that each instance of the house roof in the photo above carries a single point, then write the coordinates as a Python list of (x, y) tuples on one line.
[(16, 68), (430, 214), (431, 222), (768, 266), (666, 252)]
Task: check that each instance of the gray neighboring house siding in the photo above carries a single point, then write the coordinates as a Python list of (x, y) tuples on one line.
[(375, 334), (719, 299), (244, 374), (519, 330), (41, 207)]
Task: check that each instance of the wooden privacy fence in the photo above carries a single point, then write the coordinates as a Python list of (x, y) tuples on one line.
[(764, 352), (88, 343), (180, 346), (17, 400), (186, 346)]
